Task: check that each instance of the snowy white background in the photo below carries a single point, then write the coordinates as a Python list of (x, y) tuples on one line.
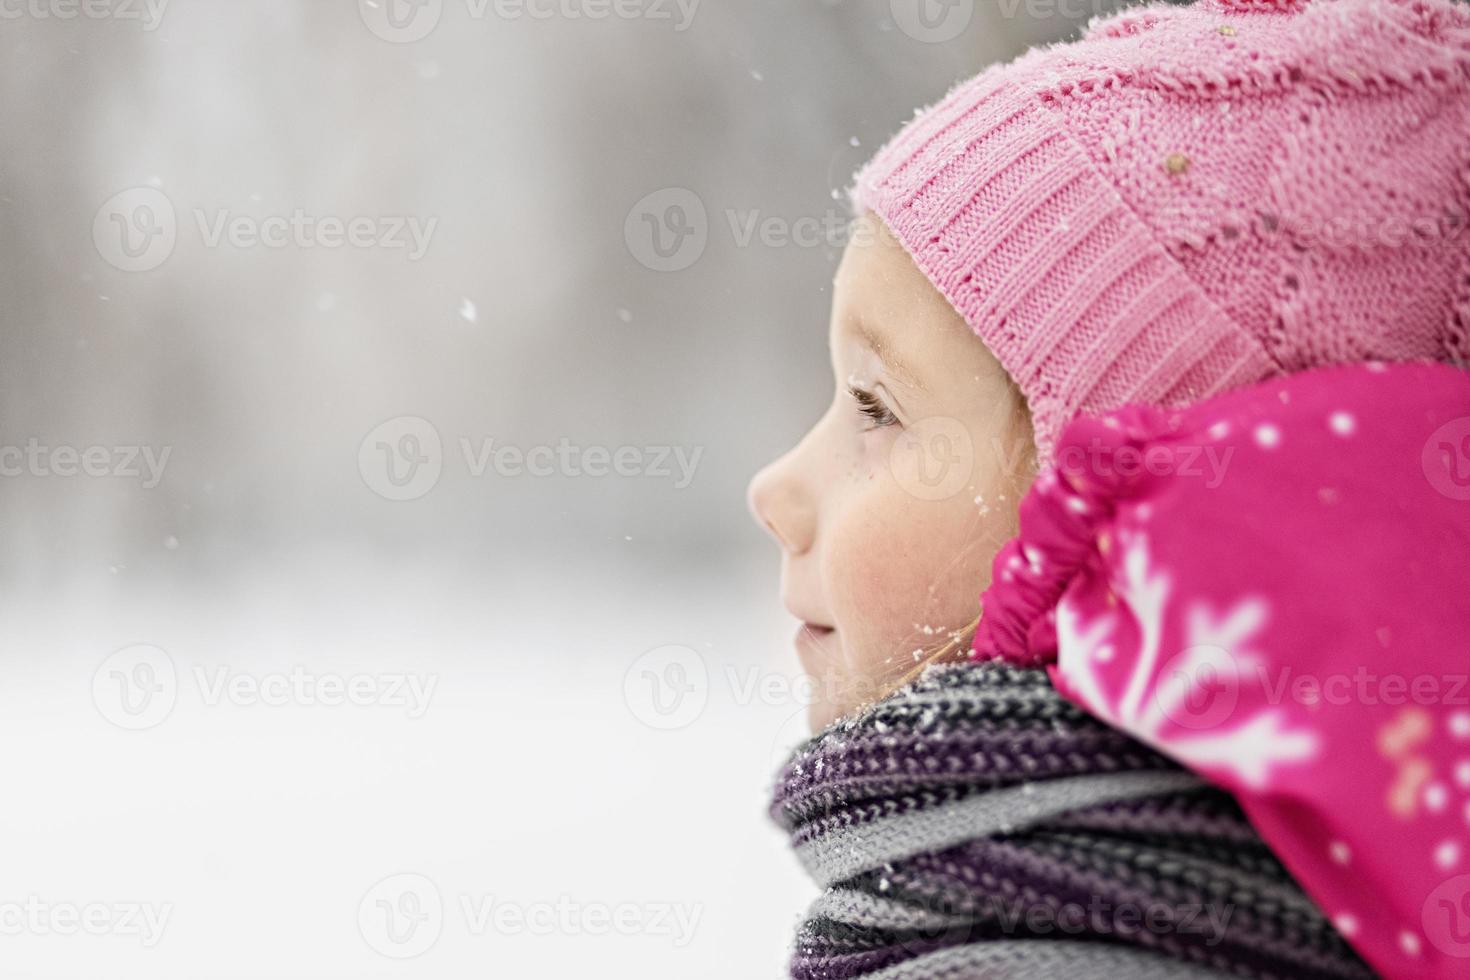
[(534, 775)]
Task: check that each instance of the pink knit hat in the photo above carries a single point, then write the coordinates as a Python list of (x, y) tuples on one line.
[(1190, 199)]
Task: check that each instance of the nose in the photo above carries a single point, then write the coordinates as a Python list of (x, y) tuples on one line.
[(780, 503)]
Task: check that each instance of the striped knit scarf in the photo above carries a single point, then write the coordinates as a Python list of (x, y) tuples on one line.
[(975, 824)]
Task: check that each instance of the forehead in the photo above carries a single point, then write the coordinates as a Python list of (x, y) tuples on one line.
[(881, 300), (878, 278)]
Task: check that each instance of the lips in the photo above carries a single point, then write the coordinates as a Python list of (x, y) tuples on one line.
[(811, 641)]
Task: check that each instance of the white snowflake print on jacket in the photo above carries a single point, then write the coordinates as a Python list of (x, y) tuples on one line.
[(1206, 706)]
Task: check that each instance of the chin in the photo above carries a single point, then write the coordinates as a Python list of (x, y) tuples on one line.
[(820, 714)]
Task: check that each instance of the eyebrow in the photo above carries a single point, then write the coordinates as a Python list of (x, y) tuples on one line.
[(891, 361)]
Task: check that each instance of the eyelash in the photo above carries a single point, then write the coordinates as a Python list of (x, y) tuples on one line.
[(872, 406)]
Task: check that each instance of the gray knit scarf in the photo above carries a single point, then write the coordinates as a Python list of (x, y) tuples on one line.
[(975, 824)]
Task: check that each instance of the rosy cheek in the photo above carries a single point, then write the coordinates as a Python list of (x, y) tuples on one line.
[(875, 575), (864, 559), (896, 564), (862, 576)]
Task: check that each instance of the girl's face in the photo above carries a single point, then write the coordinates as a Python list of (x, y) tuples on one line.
[(890, 509)]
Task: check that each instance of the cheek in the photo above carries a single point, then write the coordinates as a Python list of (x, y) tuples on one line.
[(896, 565)]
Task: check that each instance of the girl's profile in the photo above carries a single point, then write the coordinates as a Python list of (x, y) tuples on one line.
[(1053, 734)]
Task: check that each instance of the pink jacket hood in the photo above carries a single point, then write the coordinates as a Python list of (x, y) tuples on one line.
[(1272, 587)]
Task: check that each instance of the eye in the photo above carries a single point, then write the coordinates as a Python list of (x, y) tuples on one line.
[(873, 407)]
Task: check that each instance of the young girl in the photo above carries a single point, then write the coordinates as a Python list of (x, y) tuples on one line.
[(1129, 265)]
